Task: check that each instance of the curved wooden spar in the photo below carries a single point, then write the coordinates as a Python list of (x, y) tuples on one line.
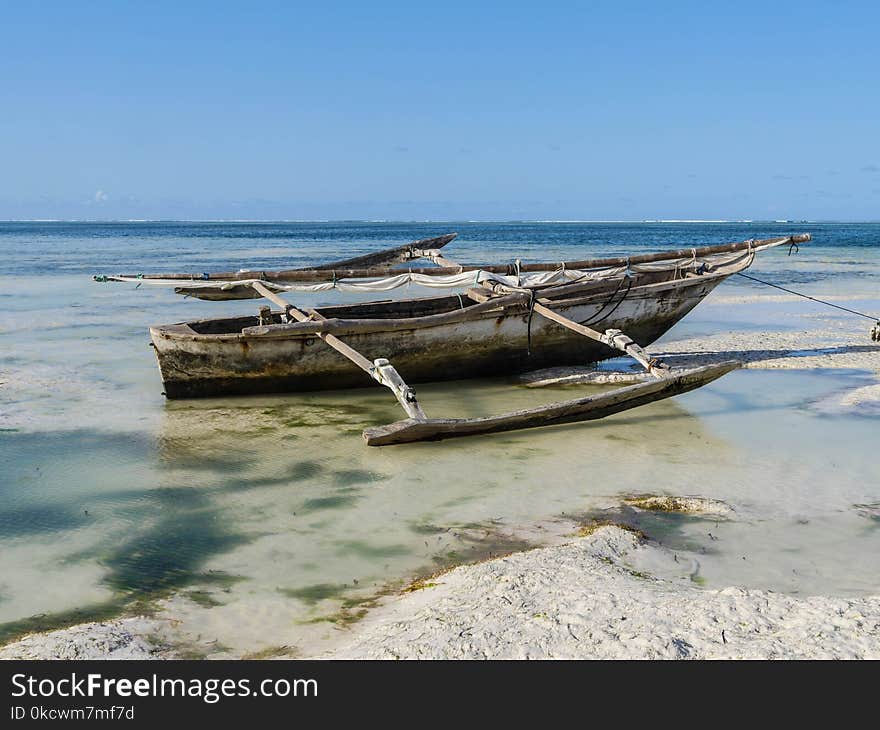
[(572, 411), (381, 370)]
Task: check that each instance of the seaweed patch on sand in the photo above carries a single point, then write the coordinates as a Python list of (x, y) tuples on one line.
[(688, 505), (869, 511)]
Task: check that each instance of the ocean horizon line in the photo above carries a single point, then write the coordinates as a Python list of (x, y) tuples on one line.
[(375, 221)]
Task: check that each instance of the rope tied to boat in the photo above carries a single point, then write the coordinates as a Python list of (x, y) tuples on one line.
[(532, 297), (596, 319), (875, 330)]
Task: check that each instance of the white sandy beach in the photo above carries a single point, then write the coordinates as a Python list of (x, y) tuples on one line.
[(583, 600), (134, 637)]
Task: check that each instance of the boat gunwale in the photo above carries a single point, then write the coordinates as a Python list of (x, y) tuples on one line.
[(183, 330)]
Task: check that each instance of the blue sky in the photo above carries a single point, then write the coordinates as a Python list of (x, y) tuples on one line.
[(553, 110)]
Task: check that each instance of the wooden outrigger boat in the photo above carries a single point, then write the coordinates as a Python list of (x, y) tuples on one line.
[(500, 319)]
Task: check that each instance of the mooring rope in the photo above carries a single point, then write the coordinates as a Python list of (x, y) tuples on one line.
[(812, 299)]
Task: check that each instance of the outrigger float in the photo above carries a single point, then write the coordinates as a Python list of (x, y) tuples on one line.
[(499, 319)]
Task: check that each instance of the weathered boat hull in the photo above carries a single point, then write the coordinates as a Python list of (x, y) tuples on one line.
[(203, 364)]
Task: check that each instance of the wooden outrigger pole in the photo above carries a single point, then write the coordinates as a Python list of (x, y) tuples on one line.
[(611, 337), (552, 414), (380, 370)]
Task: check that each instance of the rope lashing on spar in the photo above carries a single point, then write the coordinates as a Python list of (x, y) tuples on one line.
[(596, 318), (532, 296), (875, 330)]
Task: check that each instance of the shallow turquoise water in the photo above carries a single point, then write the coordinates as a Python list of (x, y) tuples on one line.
[(271, 510)]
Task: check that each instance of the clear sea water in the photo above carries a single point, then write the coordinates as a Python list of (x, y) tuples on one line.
[(262, 521)]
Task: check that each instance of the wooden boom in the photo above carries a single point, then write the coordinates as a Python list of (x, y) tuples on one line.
[(332, 272), (314, 275)]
